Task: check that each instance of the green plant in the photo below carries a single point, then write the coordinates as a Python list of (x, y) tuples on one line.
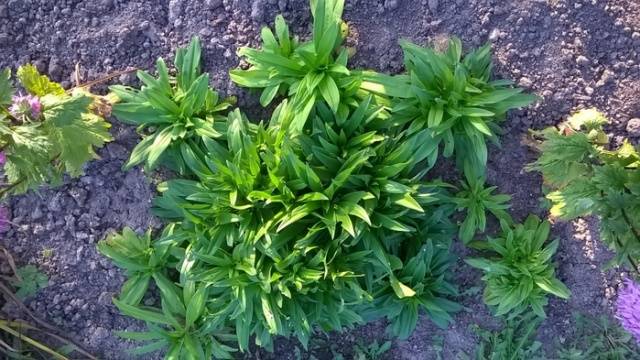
[(585, 178), (306, 72), (28, 280), (521, 274), (170, 111), (293, 233), (515, 341), (476, 200), (140, 260), (46, 133), (371, 351), (420, 285), (453, 97), (598, 339)]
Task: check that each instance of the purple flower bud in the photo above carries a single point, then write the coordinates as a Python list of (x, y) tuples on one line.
[(28, 105), (5, 223), (628, 305)]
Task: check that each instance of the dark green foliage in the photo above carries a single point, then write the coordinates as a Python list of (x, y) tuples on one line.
[(585, 178), (599, 339), (516, 341), (372, 351), (476, 200), (452, 96), (170, 111), (520, 274), (28, 280), (57, 135), (307, 72)]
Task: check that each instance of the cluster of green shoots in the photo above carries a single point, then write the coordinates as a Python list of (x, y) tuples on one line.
[(321, 218), (318, 218)]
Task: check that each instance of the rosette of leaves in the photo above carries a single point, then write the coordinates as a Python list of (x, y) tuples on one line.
[(477, 200), (46, 133), (183, 324), (516, 340), (453, 96), (520, 275), (585, 177), (170, 110), (140, 260), (420, 284), (306, 72), (292, 234)]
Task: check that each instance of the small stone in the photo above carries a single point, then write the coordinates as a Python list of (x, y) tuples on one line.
[(36, 214), (257, 10), (494, 35), (55, 70), (525, 82), (633, 127), (588, 90), (391, 4), (213, 4), (582, 60), (175, 10), (433, 6)]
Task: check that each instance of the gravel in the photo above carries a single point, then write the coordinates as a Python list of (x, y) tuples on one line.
[(571, 53)]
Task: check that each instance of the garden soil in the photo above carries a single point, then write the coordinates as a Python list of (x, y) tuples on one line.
[(571, 53)]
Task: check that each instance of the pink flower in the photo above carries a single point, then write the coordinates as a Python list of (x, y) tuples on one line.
[(28, 105), (628, 305)]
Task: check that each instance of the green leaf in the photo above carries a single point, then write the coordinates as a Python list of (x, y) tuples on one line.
[(330, 92), (188, 64), (554, 286), (37, 84), (6, 88), (401, 290)]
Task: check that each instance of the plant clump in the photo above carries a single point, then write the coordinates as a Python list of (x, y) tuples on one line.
[(45, 131)]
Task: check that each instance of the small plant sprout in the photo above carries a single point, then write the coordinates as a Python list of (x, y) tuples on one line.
[(520, 274)]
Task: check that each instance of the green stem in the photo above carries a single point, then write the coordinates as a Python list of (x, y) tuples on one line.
[(636, 234)]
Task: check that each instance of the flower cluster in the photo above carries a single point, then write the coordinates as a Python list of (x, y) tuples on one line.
[(628, 305), (26, 105)]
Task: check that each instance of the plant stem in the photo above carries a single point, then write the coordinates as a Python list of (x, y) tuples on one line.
[(636, 234)]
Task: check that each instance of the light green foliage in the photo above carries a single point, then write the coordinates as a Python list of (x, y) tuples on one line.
[(476, 200), (599, 339), (306, 72), (317, 230), (521, 274), (140, 260), (452, 96), (586, 178), (59, 139), (516, 341), (28, 280), (171, 110)]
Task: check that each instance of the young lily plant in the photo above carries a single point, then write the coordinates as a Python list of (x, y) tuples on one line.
[(453, 96), (45, 132), (306, 72), (520, 275), (477, 200), (171, 110)]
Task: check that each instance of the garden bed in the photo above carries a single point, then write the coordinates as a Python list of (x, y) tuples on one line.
[(572, 54)]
